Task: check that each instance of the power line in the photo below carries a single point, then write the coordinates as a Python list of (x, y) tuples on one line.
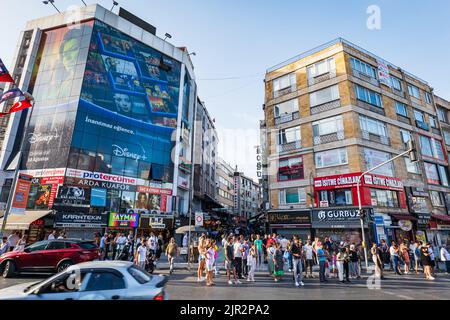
[(232, 78)]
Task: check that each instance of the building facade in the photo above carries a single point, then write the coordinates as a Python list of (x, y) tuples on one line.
[(109, 137), (247, 197), (331, 114), (225, 186)]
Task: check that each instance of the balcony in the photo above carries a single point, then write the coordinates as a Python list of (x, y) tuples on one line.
[(284, 91), (326, 106), (403, 119), (366, 78), (371, 107), (422, 125), (398, 92), (327, 138), (323, 77), (287, 117), (375, 138), (290, 146)]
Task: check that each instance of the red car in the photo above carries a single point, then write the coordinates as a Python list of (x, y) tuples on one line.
[(47, 256)]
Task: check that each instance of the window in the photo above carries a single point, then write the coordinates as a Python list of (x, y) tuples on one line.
[(321, 67), (443, 175), (139, 274), (436, 199), (328, 126), (406, 135), (37, 246), (401, 109), (428, 97), (323, 96), (290, 169), (341, 197), (411, 167), (287, 107), (374, 158), (384, 198), (413, 91), (292, 196), (396, 83), (284, 82), (431, 147), (330, 158), (368, 96), (288, 135), (105, 281), (57, 245), (373, 126), (433, 123), (431, 172), (446, 137), (442, 115), (363, 67), (419, 116)]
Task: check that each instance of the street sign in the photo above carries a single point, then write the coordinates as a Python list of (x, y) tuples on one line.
[(199, 219)]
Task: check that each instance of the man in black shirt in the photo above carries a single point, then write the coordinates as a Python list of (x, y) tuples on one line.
[(229, 258), (297, 257)]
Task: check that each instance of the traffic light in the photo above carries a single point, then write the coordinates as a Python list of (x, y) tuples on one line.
[(412, 150), (362, 214)]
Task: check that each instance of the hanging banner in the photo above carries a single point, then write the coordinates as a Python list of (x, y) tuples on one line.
[(383, 73), (21, 194)]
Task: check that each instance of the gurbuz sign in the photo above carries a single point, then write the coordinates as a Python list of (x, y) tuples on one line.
[(335, 218)]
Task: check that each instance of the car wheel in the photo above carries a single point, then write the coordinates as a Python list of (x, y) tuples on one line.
[(9, 269), (64, 265)]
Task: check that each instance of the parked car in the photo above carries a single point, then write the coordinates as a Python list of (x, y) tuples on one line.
[(47, 256), (98, 280)]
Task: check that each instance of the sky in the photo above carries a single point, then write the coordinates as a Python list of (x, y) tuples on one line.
[(236, 41)]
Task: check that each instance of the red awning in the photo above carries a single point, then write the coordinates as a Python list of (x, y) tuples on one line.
[(403, 217), (442, 217)]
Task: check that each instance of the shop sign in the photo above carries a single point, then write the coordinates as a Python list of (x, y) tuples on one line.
[(52, 180), (73, 196), (81, 220), (335, 218), (183, 183), (100, 176), (153, 190), (423, 219), (21, 193), (100, 184), (379, 220), (58, 172), (405, 225), (341, 181), (290, 218), (123, 220), (199, 219), (443, 227), (323, 204), (382, 181), (98, 197)]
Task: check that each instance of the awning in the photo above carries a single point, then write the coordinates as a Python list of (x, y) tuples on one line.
[(23, 221), (441, 217), (403, 217)]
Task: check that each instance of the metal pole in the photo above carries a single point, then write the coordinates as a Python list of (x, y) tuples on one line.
[(189, 240)]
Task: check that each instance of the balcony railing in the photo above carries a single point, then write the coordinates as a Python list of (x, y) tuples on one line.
[(290, 146), (326, 106), (327, 138), (284, 91), (375, 138), (287, 117), (398, 92), (422, 125), (403, 119), (366, 78), (323, 77), (371, 107)]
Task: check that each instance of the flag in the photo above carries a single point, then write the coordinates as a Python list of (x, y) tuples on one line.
[(20, 105), (10, 94), (4, 74)]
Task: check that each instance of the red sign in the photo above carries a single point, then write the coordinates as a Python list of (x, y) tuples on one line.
[(349, 180), (52, 180), (163, 203), (153, 190), (39, 222), (21, 193), (52, 195)]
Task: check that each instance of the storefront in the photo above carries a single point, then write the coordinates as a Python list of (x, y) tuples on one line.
[(289, 223), (418, 204), (81, 225), (159, 224), (402, 228), (123, 222), (341, 224), (439, 233), (36, 224)]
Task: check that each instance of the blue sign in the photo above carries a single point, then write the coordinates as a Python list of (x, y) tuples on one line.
[(98, 197), (379, 220)]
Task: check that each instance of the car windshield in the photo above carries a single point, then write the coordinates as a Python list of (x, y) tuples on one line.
[(87, 245), (139, 274), (34, 286)]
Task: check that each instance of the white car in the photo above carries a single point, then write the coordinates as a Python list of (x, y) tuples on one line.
[(98, 280)]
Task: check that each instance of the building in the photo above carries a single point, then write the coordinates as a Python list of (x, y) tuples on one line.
[(247, 198), (334, 112), (205, 162), (225, 186), (108, 141)]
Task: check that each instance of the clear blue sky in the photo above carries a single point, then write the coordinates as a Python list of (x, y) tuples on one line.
[(242, 38)]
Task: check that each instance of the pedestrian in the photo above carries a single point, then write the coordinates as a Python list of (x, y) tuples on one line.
[(209, 262), (159, 248), (13, 239), (426, 262), (283, 243), (278, 261), (52, 235), (394, 252), (102, 247), (404, 252), (354, 261), (245, 249), (376, 258), (445, 257), (288, 256), (432, 257), (296, 251), (4, 247), (334, 268), (251, 262), (340, 260), (237, 247), (385, 255), (201, 257), (216, 255), (62, 235), (416, 254), (321, 256), (229, 261), (140, 257), (171, 253), (308, 248), (270, 257), (21, 244), (259, 251)]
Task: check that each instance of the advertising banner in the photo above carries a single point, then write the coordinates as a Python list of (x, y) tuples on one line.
[(299, 218), (73, 196), (383, 73), (123, 220), (98, 197), (349, 180), (81, 220), (21, 193)]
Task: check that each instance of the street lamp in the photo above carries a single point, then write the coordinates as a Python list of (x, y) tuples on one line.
[(52, 3), (115, 3), (167, 35), (192, 54)]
